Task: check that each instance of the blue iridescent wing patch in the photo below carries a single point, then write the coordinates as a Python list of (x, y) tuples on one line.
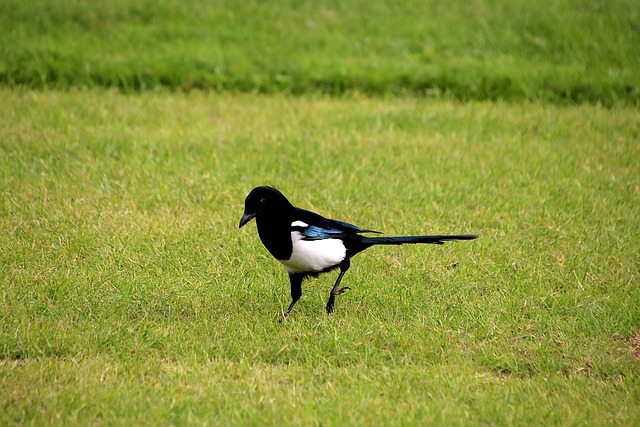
[(318, 233)]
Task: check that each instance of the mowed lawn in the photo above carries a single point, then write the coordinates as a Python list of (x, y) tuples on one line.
[(130, 297)]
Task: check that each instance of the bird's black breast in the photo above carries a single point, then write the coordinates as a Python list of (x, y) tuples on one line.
[(275, 234)]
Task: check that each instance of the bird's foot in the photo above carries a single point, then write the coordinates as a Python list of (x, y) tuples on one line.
[(286, 313), (332, 298), (330, 304), (341, 290)]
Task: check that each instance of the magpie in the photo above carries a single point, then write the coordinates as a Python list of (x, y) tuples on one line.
[(308, 244)]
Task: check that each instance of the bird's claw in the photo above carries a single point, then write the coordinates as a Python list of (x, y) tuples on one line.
[(331, 302), (341, 290), (330, 306)]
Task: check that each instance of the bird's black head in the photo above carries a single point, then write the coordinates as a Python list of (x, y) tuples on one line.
[(264, 200)]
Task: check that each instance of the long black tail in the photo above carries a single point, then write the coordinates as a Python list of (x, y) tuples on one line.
[(401, 240)]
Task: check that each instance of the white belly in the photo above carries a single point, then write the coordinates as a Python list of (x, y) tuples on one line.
[(314, 255)]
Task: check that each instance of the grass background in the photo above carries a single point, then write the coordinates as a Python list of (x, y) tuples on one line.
[(563, 51), (129, 296)]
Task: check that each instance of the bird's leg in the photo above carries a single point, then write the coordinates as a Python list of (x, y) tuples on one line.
[(296, 292), (335, 291)]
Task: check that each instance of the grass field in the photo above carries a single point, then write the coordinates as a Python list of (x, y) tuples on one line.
[(129, 296), (564, 51), (130, 133)]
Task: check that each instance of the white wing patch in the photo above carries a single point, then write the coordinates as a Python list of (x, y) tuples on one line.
[(299, 224), (313, 255)]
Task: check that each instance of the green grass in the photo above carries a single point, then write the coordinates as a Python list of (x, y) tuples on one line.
[(567, 51), (130, 297)]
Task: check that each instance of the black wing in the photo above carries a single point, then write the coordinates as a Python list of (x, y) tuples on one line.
[(320, 227)]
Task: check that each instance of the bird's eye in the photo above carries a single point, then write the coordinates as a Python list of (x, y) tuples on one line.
[(263, 201)]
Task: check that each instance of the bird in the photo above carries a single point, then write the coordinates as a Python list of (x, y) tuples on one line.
[(308, 244)]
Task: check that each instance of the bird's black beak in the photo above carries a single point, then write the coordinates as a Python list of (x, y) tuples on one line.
[(246, 218)]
